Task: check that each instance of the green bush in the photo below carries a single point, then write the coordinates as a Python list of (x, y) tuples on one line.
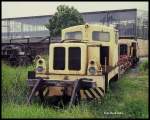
[(144, 66)]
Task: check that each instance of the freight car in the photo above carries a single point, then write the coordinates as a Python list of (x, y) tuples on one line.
[(18, 54), (81, 66), (128, 54)]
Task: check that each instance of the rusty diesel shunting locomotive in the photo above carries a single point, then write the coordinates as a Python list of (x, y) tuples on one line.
[(82, 65)]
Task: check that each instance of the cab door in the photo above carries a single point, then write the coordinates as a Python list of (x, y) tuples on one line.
[(104, 53)]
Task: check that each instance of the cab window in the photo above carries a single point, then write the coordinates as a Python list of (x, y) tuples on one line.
[(100, 36), (59, 58), (74, 58), (73, 35)]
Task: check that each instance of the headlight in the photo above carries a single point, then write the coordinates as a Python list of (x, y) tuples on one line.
[(92, 70), (40, 62), (40, 66), (39, 69)]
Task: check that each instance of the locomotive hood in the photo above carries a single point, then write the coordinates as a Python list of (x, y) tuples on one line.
[(68, 58)]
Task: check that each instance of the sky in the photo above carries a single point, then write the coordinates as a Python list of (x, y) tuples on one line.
[(23, 9)]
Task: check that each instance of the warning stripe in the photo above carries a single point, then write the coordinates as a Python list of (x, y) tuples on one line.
[(98, 92), (90, 91), (87, 94), (101, 89), (94, 93)]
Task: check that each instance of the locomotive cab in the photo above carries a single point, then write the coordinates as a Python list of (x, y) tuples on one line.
[(84, 46)]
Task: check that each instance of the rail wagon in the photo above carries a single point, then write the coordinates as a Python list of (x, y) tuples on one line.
[(128, 54), (80, 67)]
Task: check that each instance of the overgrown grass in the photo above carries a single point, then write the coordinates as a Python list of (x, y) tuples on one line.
[(127, 99), (14, 85)]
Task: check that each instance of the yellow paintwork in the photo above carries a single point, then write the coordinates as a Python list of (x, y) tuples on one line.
[(41, 65), (89, 48), (90, 51), (66, 71)]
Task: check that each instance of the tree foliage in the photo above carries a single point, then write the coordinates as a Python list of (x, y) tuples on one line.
[(63, 18)]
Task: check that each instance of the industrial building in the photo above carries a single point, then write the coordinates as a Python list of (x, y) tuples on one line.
[(131, 23)]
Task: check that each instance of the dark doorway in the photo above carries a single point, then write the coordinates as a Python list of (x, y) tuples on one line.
[(134, 49), (104, 52)]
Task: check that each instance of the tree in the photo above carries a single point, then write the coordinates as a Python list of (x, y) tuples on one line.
[(63, 18)]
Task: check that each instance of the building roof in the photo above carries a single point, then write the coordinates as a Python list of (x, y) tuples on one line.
[(84, 13)]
